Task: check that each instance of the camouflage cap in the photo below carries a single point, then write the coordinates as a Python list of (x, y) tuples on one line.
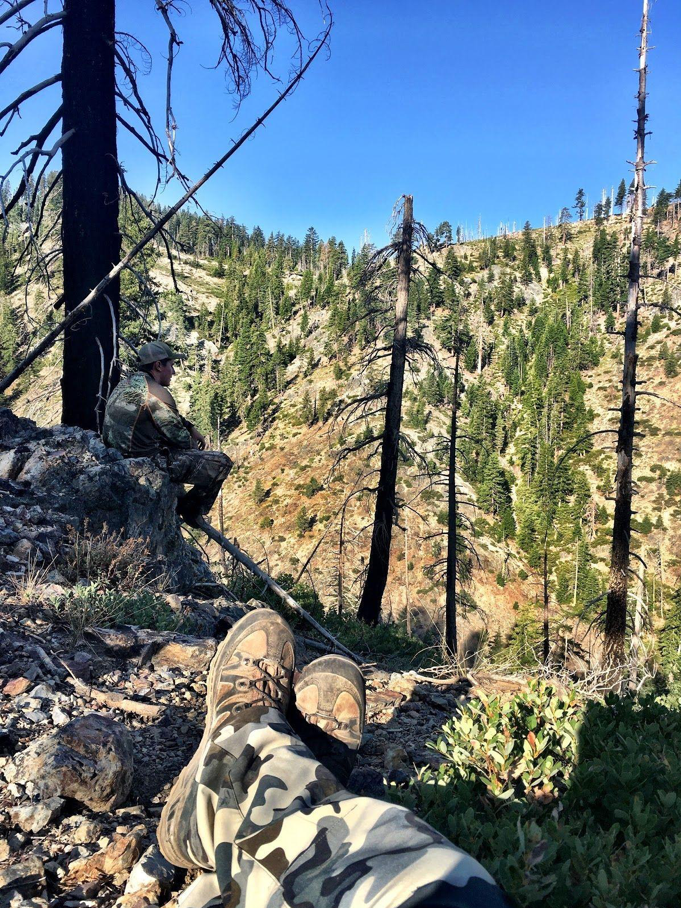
[(154, 351)]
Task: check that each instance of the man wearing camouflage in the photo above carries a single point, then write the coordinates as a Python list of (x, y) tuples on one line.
[(142, 420), (268, 817)]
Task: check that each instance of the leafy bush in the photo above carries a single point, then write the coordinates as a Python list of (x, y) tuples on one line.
[(567, 803), (93, 605)]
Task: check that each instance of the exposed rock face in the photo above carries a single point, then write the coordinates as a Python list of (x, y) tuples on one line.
[(63, 476), (90, 760)]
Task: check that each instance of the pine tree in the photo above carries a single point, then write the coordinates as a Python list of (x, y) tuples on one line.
[(580, 204), (621, 195), (9, 338)]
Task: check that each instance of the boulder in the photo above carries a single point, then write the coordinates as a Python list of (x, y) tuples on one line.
[(89, 759), (65, 476), (151, 874)]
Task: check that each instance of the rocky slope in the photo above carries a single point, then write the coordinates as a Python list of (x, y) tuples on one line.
[(293, 462)]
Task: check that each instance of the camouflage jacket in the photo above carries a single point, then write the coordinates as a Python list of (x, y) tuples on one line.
[(141, 419)]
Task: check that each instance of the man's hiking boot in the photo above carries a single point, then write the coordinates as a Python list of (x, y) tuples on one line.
[(253, 667), (189, 511), (330, 702)]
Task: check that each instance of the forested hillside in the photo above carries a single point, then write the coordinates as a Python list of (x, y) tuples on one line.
[(286, 370)]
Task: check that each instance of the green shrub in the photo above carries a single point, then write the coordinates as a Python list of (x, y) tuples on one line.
[(569, 804), (93, 605)]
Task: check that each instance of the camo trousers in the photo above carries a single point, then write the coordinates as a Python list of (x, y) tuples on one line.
[(204, 470), (280, 830)]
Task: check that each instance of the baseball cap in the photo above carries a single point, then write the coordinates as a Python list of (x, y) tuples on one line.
[(154, 351)]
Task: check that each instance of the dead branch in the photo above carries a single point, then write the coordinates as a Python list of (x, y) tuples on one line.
[(659, 397), (115, 700), (42, 25), (14, 8), (80, 309), (34, 154), (242, 558), (25, 95)]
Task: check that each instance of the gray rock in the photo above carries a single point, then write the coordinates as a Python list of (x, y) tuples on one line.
[(152, 869), (395, 757), (43, 692), (85, 482), (34, 817), (58, 716), (86, 831), (26, 878), (90, 760)]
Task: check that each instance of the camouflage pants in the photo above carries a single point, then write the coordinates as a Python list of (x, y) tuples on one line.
[(280, 830), (204, 470)]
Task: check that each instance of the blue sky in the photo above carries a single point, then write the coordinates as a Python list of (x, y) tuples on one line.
[(490, 110)]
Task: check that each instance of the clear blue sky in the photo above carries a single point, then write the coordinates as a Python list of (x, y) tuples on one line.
[(490, 109)]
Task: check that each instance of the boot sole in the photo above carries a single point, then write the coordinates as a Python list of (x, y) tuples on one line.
[(188, 775), (337, 666)]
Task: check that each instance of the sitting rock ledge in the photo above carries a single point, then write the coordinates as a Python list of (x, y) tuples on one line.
[(54, 478)]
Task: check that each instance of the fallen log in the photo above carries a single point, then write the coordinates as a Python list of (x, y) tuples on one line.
[(115, 700)]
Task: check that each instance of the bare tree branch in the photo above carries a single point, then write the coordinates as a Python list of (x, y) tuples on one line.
[(25, 95), (43, 25)]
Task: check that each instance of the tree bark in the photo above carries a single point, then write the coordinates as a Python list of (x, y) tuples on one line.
[(616, 613), (379, 558), (451, 639), (90, 235)]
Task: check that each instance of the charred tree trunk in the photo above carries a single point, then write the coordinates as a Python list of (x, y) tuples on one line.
[(379, 558), (616, 614), (451, 640), (90, 236)]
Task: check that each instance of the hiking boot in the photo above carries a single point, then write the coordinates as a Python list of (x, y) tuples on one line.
[(189, 511), (330, 705), (253, 667)]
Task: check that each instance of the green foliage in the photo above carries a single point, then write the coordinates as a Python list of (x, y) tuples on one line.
[(9, 338), (93, 605), (311, 487), (304, 521), (669, 648), (259, 493), (568, 804)]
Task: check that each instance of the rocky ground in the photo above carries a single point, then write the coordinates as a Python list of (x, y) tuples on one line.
[(97, 721), (95, 730)]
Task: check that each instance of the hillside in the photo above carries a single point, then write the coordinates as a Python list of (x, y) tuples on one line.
[(275, 335)]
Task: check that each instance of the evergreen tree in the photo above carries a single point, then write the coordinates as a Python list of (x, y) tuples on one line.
[(9, 338), (621, 195), (580, 204)]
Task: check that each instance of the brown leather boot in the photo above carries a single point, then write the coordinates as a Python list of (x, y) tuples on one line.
[(330, 702), (252, 667)]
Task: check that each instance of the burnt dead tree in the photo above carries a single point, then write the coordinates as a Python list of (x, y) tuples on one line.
[(385, 509), (91, 241), (451, 639), (618, 586)]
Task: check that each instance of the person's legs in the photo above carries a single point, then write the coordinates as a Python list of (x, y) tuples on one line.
[(205, 471), (279, 829)]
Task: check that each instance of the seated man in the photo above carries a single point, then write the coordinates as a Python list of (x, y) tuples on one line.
[(142, 420), (262, 808)]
